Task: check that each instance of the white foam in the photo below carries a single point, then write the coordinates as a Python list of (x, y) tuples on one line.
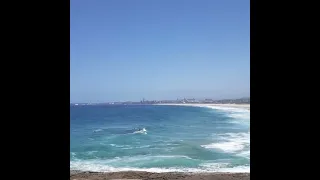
[(235, 113), (232, 143), (225, 146), (237, 169), (96, 166), (229, 109), (143, 131), (214, 165)]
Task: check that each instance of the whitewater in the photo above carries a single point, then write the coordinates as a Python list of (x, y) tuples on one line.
[(153, 138)]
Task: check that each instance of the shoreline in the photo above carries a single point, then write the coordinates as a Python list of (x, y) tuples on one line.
[(139, 175), (80, 175), (237, 106)]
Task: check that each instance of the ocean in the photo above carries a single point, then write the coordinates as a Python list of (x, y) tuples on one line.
[(154, 138)]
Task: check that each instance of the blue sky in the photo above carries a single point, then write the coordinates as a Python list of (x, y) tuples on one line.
[(159, 49)]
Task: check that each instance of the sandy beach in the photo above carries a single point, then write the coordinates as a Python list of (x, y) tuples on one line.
[(240, 106), (76, 175)]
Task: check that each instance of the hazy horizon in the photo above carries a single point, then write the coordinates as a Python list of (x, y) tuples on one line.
[(161, 100)]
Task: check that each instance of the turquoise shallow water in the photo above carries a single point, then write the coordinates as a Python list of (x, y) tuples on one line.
[(159, 138)]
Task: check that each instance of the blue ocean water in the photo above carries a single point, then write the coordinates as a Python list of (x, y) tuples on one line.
[(159, 138)]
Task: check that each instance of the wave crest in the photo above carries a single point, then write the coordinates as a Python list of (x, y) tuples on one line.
[(232, 143), (99, 166), (142, 131)]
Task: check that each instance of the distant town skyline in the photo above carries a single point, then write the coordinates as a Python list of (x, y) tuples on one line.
[(177, 100), (123, 50)]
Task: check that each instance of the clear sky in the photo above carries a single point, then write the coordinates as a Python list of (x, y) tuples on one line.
[(159, 49)]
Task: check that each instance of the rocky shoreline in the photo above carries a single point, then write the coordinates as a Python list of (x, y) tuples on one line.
[(135, 175)]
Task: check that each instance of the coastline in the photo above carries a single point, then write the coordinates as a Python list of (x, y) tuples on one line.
[(139, 175), (79, 175), (238, 106)]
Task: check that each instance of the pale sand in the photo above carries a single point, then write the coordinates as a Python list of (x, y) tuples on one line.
[(240, 106)]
